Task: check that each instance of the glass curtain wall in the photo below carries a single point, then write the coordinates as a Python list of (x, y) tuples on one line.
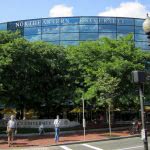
[(73, 30)]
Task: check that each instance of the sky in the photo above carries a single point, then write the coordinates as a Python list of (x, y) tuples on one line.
[(12, 10)]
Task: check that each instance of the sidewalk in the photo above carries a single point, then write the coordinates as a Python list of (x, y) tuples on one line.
[(48, 140)]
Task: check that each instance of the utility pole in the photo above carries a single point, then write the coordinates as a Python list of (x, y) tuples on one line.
[(138, 77)]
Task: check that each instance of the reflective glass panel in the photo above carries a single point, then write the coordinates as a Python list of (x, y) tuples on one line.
[(69, 28), (107, 20), (69, 36), (125, 29), (141, 37), (31, 31), (50, 21), (88, 28), (15, 25), (142, 45), (33, 38), (108, 35), (139, 30), (69, 43), (125, 21), (122, 35), (50, 37), (50, 29), (64, 21), (3, 26), (32, 23), (88, 20), (139, 22), (107, 28), (89, 36), (54, 42)]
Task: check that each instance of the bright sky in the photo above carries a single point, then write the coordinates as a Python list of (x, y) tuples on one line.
[(12, 10)]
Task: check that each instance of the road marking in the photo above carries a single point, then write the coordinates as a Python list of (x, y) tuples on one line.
[(130, 148), (93, 147), (65, 147)]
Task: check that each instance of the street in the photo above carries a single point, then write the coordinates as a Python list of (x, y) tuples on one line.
[(119, 144)]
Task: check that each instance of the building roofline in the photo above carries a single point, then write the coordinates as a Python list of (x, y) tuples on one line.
[(72, 17)]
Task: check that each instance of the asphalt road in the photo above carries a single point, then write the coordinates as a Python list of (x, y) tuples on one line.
[(119, 144)]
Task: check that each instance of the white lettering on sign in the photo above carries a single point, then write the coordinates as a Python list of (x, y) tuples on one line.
[(32, 23), (88, 20), (65, 21), (107, 20), (50, 21), (19, 24), (120, 21)]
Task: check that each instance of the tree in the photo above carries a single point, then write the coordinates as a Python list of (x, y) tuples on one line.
[(33, 75), (104, 68)]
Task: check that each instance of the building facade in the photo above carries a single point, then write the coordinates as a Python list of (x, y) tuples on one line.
[(72, 30)]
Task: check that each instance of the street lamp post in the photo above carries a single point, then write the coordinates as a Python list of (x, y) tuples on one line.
[(84, 124), (146, 27)]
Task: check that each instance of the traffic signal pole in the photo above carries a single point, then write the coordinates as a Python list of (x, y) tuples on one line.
[(143, 131)]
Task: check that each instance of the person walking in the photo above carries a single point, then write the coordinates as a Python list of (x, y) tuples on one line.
[(41, 129), (11, 128), (57, 125)]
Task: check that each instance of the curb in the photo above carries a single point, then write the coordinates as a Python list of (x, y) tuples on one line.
[(88, 141), (68, 132)]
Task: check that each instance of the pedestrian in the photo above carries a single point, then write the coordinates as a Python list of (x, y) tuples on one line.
[(11, 129), (57, 125), (41, 129)]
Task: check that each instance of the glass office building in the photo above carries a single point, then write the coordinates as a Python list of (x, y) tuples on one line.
[(72, 30)]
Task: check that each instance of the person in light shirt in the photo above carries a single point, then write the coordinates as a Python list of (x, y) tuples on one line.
[(11, 128), (57, 125)]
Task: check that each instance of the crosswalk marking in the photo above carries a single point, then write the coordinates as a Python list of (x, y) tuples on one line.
[(65, 147), (92, 147)]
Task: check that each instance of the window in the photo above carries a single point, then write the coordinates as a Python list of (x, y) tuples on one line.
[(33, 38), (122, 35), (88, 36), (67, 21), (88, 28), (107, 28), (69, 36), (108, 35), (125, 21), (139, 30), (69, 28), (88, 20), (140, 37), (69, 43), (31, 31), (50, 29), (50, 37), (139, 22), (3, 26), (125, 29), (53, 42), (142, 45)]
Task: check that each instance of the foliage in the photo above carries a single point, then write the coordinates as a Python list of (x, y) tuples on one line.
[(104, 68), (44, 77)]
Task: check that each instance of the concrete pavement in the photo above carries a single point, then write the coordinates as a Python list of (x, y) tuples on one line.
[(48, 140)]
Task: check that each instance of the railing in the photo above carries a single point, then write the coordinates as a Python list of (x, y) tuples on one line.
[(48, 123)]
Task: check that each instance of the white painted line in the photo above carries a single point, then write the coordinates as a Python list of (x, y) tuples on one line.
[(92, 147), (130, 148), (65, 147)]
